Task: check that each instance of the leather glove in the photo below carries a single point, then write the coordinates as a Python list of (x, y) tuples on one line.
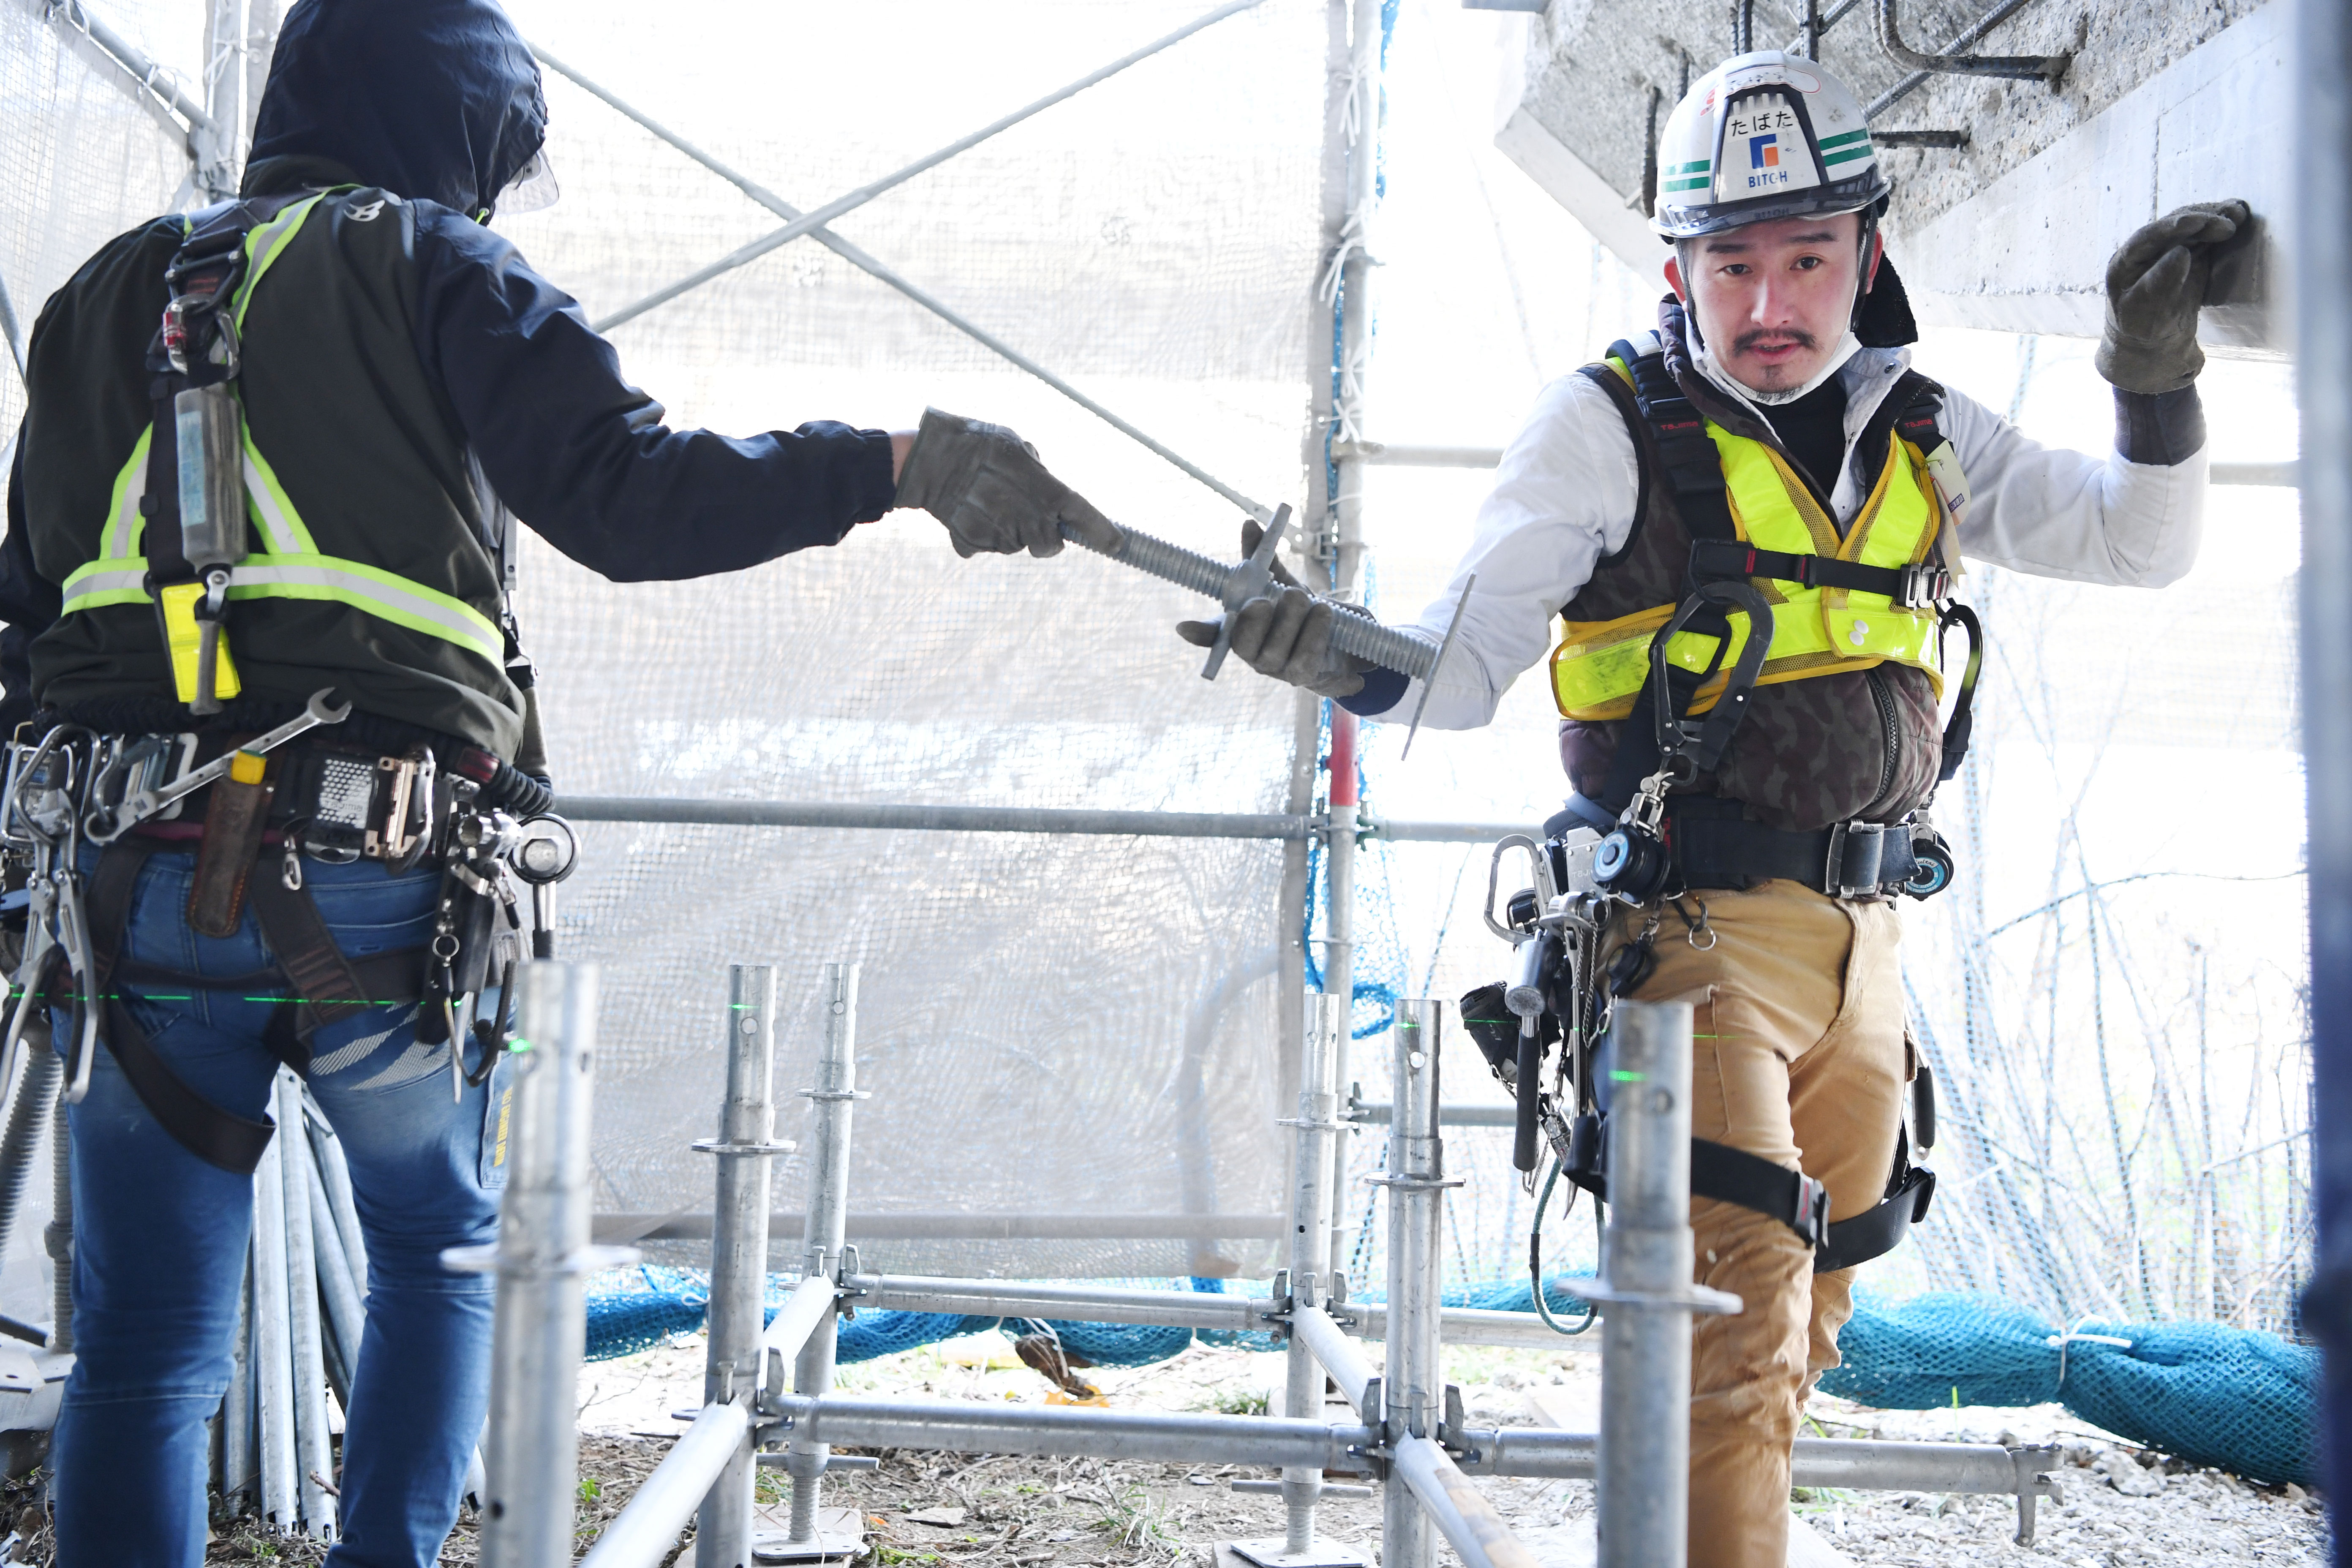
[(987, 486), (1287, 634), (2156, 282)]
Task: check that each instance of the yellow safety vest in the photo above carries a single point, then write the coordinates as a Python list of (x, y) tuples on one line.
[(1599, 668)]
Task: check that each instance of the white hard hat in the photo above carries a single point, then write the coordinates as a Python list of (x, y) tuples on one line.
[(1763, 136)]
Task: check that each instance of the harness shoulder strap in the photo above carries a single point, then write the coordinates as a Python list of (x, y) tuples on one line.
[(1693, 469)]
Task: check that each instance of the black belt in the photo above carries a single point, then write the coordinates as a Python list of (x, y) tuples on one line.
[(1714, 847)]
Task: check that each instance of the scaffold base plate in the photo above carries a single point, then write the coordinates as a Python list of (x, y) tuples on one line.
[(840, 1536), (1325, 1554)]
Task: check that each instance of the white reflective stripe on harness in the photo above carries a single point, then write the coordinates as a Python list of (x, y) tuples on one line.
[(282, 531), (118, 538), (380, 594), (369, 589), (96, 584)]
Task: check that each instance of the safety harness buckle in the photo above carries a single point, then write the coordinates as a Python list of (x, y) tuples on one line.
[(1811, 1219), (1922, 586), (1855, 861)]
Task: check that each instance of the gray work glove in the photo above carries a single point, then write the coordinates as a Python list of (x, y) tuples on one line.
[(2156, 282), (986, 484), (1287, 634)]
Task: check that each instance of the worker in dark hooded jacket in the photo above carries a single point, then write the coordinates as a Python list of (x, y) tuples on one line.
[(402, 378)]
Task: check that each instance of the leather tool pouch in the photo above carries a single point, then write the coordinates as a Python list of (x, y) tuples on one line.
[(234, 823)]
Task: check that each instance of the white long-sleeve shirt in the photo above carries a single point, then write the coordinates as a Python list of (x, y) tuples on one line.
[(1565, 493)]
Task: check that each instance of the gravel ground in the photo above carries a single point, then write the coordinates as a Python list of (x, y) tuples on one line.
[(2120, 1506)]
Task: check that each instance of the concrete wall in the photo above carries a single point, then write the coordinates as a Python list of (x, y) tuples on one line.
[(2165, 101)]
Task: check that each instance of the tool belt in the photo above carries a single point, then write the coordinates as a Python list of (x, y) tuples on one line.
[(1713, 846), (330, 799)]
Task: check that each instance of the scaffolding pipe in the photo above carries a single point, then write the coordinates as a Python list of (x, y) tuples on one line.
[(314, 1454), (236, 1418), (335, 1174), (1334, 1351), (346, 1314), (1412, 1380), (868, 264), (965, 1427), (831, 1100), (1436, 1489), (739, 1253), (809, 1304), (1088, 1303), (901, 818), (2323, 254), (645, 1533), (155, 88), (273, 1346), (1317, 1126), (1642, 1484), (951, 1225), (819, 217), (539, 1259)]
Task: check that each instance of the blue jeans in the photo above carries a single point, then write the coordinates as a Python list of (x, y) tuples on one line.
[(160, 1243)]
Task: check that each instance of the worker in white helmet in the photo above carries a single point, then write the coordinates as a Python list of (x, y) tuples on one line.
[(1770, 445)]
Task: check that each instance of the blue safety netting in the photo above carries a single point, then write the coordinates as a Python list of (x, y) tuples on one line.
[(2241, 1400), (2231, 1399)]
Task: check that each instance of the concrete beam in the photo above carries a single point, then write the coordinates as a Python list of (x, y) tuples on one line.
[(2029, 253)]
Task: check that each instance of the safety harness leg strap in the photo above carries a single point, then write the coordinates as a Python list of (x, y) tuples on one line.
[(329, 987), (1733, 1176), (218, 1137)]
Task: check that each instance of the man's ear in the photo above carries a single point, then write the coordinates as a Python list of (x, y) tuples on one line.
[(1674, 278), (1877, 254)]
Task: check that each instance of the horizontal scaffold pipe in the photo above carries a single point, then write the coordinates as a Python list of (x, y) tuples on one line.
[(1067, 1303), (961, 1427), (627, 1227), (1856, 1463), (898, 818), (646, 1531)]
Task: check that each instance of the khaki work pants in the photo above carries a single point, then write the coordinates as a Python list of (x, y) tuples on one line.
[(1800, 1057)]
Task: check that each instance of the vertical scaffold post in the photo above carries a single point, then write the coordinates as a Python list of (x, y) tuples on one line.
[(739, 1253), (1642, 1481), (539, 1257), (1311, 1227), (1413, 1382), (2323, 309), (1343, 545), (825, 1238)]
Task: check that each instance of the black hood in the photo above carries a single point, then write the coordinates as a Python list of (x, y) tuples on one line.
[(432, 99)]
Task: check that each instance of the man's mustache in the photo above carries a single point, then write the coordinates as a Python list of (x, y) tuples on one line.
[(1773, 336)]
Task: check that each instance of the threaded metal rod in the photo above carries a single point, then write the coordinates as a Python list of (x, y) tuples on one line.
[(1351, 633)]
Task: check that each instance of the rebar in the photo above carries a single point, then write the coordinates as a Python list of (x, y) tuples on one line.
[(739, 1253), (541, 1257), (57, 1237), (831, 1101), (29, 1121)]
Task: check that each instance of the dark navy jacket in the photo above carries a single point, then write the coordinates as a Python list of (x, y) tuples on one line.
[(439, 101)]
